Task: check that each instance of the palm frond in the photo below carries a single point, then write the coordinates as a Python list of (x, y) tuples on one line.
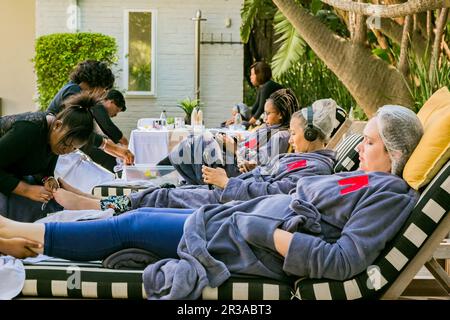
[(292, 46), (249, 11)]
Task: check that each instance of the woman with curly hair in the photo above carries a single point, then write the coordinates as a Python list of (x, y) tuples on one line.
[(96, 78)]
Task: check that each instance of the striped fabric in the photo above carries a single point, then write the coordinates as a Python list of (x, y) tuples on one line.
[(249, 289), (341, 116), (115, 190), (62, 278), (347, 154), (432, 207)]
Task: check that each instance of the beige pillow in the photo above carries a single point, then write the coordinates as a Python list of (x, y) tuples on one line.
[(433, 150)]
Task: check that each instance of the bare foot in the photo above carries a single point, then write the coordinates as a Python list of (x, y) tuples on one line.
[(66, 186), (3, 225), (72, 201)]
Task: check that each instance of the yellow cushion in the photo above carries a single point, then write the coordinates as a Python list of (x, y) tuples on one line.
[(433, 149)]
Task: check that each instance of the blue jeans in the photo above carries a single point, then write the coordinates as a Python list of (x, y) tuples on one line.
[(158, 230)]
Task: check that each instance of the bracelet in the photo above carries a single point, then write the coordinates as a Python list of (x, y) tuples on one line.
[(103, 145), (45, 179)]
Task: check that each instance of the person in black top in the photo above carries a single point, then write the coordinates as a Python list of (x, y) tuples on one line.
[(31, 142), (260, 77), (113, 103), (94, 77)]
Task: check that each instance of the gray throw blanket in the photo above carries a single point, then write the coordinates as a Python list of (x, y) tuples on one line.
[(339, 223)]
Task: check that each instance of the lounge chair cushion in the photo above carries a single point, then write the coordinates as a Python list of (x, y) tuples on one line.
[(347, 154), (63, 278), (433, 150)]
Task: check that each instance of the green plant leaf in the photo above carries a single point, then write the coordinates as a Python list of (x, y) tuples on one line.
[(250, 9), (57, 54), (316, 5), (292, 46)]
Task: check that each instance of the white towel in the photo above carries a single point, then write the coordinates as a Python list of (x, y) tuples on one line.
[(12, 277), (76, 215)]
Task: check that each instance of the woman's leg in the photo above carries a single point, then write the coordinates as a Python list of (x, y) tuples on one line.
[(157, 231), (31, 231), (73, 201), (66, 186), (154, 229)]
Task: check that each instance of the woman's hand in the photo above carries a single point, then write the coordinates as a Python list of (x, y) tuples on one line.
[(51, 184), (230, 144), (128, 157), (229, 122), (247, 166), (33, 192), (282, 239), (119, 151), (19, 247), (215, 176)]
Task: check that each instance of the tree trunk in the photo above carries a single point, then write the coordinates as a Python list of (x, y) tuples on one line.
[(360, 36), (370, 80), (403, 61), (436, 52), (389, 11), (394, 32)]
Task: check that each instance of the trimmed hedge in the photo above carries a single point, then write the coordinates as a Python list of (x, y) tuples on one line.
[(57, 54)]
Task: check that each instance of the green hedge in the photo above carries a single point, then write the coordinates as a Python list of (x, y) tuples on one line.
[(57, 54)]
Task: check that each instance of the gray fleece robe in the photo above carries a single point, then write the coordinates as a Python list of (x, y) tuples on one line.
[(340, 223), (279, 177)]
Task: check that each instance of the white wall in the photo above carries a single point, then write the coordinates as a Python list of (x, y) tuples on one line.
[(221, 64), (17, 31)]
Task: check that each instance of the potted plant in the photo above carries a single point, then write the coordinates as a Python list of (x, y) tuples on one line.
[(188, 105)]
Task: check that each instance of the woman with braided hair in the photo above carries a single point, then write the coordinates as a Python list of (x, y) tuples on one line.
[(220, 150)]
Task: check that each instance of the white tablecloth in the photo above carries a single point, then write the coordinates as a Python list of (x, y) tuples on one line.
[(151, 146)]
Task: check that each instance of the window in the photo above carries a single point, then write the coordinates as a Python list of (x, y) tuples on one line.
[(139, 49)]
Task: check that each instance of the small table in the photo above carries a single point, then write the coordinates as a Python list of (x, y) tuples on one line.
[(151, 146)]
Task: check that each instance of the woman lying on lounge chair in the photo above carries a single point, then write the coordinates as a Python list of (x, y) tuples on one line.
[(279, 177), (268, 141), (332, 227)]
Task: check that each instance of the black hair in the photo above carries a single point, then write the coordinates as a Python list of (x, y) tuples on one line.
[(117, 97), (262, 71), (94, 73), (286, 103), (77, 117)]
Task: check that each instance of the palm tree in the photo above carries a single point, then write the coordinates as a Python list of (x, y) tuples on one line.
[(369, 79)]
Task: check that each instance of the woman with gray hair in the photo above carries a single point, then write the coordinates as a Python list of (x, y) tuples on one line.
[(385, 142), (332, 226)]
